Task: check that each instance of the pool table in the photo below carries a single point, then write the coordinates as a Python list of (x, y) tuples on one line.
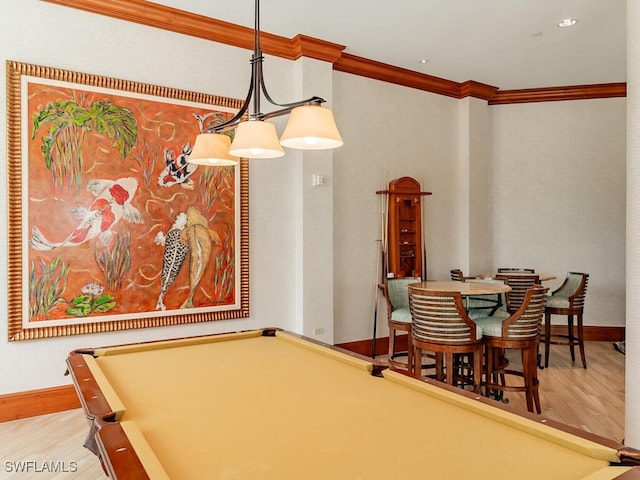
[(269, 404)]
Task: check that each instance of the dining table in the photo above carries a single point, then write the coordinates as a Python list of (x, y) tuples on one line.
[(467, 288)]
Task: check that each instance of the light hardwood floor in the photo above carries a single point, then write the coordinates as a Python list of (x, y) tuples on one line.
[(591, 399)]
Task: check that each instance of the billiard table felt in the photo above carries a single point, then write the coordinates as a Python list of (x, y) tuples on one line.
[(264, 407)]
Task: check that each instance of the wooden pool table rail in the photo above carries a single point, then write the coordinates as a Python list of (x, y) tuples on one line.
[(120, 461)]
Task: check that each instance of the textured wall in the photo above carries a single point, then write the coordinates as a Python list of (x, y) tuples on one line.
[(390, 132), (632, 400), (558, 195)]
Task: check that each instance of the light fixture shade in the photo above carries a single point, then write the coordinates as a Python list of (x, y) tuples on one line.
[(256, 139), (212, 149), (311, 127)]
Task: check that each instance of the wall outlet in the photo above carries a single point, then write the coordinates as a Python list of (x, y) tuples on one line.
[(318, 331)]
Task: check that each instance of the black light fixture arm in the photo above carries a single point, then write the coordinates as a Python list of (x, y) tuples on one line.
[(257, 86)]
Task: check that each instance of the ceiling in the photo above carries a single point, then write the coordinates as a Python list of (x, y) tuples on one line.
[(509, 44)]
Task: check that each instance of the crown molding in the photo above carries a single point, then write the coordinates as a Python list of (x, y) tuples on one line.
[(477, 90), (555, 94), (304, 46), (187, 23), (179, 21), (171, 19), (388, 73)]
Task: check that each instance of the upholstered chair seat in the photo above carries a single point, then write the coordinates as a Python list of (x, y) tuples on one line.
[(490, 326), (401, 314), (558, 302)]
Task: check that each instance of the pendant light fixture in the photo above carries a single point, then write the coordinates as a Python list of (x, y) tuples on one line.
[(310, 126)]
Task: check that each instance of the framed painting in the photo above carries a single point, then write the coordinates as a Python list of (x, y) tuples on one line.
[(110, 228)]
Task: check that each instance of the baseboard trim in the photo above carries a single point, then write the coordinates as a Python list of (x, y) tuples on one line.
[(591, 334), (32, 403)]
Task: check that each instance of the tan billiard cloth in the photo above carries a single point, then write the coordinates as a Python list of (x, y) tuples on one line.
[(253, 407)]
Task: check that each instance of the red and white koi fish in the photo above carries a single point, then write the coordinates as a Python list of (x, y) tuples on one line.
[(178, 169), (113, 202)]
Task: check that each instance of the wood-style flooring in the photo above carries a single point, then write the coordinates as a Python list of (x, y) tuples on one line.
[(591, 399)]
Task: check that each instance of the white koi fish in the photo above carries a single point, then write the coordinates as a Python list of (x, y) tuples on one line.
[(113, 202)]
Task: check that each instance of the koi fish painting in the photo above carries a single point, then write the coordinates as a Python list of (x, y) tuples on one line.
[(111, 226)]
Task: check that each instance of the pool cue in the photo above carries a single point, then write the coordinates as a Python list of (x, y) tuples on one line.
[(375, 308), (380, 268), (424, 244), (423, 240)]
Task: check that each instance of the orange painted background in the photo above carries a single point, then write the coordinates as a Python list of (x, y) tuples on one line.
[(160, 125)]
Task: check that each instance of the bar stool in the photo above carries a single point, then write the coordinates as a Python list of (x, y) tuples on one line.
[(567, 300), (521, 331), (440, 324), (519, 284), (399, 319)]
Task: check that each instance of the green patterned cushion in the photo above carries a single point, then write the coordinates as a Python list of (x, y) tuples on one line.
[(557, 301), (398, 293), (570, 286), (401, 314), (473, 314), (481, 301), (490, 326)]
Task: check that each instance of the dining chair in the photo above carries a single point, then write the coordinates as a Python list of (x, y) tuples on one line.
[(457, 275), (399, 319), (516, 270), (440, 324), (521, 331), (519, 284), (567, 300)]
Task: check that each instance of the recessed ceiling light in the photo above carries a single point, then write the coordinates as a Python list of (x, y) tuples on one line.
[(423, 61), (567, 22)]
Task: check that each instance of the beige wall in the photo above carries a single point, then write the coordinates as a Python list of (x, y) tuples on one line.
[(452, 147), (632, 358), (558, 195), (389, 132)]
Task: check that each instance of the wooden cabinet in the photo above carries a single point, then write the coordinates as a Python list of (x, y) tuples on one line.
[(405, 246)]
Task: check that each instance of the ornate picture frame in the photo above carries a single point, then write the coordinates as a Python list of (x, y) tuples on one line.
[(109, 227)]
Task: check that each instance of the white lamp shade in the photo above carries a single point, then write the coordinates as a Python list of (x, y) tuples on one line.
[(212, 149), (311, 127), (256, 139)]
